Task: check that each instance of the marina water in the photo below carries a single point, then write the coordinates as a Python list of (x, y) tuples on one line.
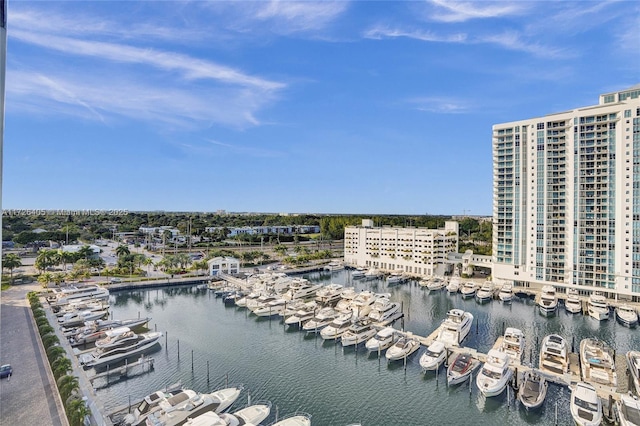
[(337, 386)]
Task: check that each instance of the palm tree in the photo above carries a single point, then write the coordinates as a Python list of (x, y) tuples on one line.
[(122, 250), (58, 278), (11, 261), (147, 262), (45, 278), (85, 252)]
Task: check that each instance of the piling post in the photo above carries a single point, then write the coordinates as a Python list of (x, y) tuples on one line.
[(155, 327), (573, 343), (556, 419), (166, 336), (192, 360), (178, 349), (207, 371), (129, 404), (503, 327), (226, 380), (138, 314), (477, 326), (249, 397)]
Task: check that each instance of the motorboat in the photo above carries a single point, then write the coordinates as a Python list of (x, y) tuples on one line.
[(85, 305), (329, 294), (597, 307), (337, 327), (262, 300), (372, 274), (71, 319), (87, 337), (383, 339), (395, 278), (69, 294), (628, 408), (627, 315), (274, 307), (347, 296), (485, 292), (633, 364), (433, 357), (437, 283), (301, 316), (454, 285), (554, 355), (548, 302), (513, 344), (585, 405), (495, 374), (333, 266), (461, 368), (384, 310), (358, 332), (322, 319), (363, 303), (251, 415), (301, 289), (455, 327), (598, 363), (174, 399), (533, 390), (573, 304), (87, 333), (99, 358), (357, 273), (506, 293), (468, 290), (232, 298), (296, 419), (178, 409), (404, 347), (116, 337)]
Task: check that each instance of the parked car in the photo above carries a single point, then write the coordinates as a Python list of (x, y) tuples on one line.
[(6, 371), (115, 280)]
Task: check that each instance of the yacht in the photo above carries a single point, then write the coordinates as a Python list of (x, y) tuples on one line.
[(454, 285), (337, 328), (116, 337), (100, 358), (437, 283), (357, 274), (597, 363), (533, 390), (495, 374), (384, 310), (383, 339), (548, 302), (222, 399), (633, 363), (573, 304), (468, 290), (262, 300), (506, 293), (290, 308), (433, 357), (78, 318), (404, 347), (297, 419), (330, 294), (395, 278), (301, 316), (554, 355), (232, 298), (627, 315), (372, 274), (301, 289), (274, 307), (66, 295), (585, 405), (347, 296), (333, 266), (461, 368), (358, 332), (628, 408), (86, 333), (597, 307), (251, 415), (322, 319), (455, 327), (72, 307), (178, 409), (513, 344), (485, 293), (363, 303)]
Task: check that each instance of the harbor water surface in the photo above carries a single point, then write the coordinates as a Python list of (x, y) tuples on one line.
[(208, 343)]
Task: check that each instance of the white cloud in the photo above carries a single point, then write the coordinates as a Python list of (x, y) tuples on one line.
[(463, 11), (442, 105), (384, 32), (247, 150), (514, 41)]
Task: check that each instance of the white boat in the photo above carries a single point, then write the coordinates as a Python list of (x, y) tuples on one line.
[(627, 315), (251, 415), (435, 284), (337, 327), (585, 406), (455, 327), (347, 296), (395, 278), (301, 316), (65, 295), (94, 330), (573, 304), (333, 266), (554, 355), (71, 319), (99, 358), (597, 307), (404, 347), (297, 419), (433, 357), (372, 274), (301, 289), (485, 292), (633, 364), (362, 304), (454, 285), (461, 368), (262, 300), (513, 343), (383, 310), (358, 332), (383, 339), (329, 294), (221, 400), (597, 363), (468, 290), (357, 274), (495, 374), (628, 408), (506, 293), (548, 302), (116, 337), (322, 319), (291, 308), (533, 390), (274, 307), (84, 305)]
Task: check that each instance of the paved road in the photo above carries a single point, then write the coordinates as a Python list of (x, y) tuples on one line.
[(29, 397)]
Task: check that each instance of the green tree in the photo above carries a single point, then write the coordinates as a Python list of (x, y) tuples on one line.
[(281, 249), (77, 411), (85, 252), (46, 259), (122, 250), (11, 261), (66, 385), (45, 278)]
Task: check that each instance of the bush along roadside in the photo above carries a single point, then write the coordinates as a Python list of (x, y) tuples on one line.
[(68, 387)]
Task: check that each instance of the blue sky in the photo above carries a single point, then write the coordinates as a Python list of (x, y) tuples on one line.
[(325, 107)]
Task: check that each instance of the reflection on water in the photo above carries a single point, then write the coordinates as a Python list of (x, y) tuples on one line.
[(206, 342)]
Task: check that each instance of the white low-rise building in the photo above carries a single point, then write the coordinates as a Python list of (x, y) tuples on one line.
[(224, 264), (417, 251)]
